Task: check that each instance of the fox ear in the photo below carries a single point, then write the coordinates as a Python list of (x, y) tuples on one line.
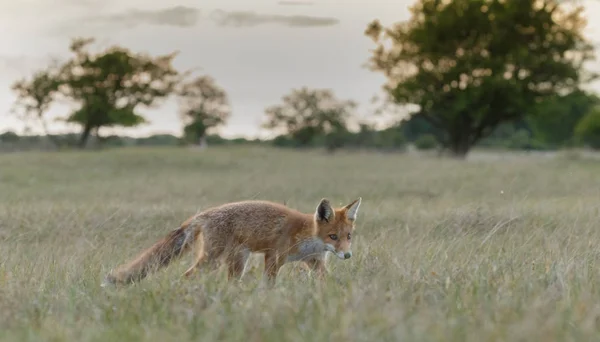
[(324, 211), (352, 209)]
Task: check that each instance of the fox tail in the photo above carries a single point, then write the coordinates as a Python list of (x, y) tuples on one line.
[(159, 255)]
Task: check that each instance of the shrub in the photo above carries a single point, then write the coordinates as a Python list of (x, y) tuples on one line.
[(587, 130), (426, 142)]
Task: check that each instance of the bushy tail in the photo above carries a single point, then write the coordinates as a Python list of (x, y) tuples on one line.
[(169, 248)]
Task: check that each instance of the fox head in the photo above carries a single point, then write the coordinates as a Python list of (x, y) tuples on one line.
[(335, 226)]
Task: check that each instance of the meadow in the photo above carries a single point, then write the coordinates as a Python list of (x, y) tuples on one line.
[(488, 249)]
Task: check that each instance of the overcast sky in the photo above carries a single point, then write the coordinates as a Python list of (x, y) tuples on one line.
[(256, 50)]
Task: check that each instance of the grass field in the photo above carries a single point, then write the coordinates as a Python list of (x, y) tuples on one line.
[(482, 250)]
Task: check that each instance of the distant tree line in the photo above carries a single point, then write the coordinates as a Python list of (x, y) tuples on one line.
[(488, 73)]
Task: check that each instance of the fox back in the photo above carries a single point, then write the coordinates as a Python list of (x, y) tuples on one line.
[(257, 225)]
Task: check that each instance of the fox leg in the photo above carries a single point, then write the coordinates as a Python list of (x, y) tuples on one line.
[(317, 265), (273, 263), (206, 261), (200, 255), (236, 262), (197, 264)]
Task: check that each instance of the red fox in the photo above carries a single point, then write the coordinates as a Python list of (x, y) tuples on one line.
[(234, 230)]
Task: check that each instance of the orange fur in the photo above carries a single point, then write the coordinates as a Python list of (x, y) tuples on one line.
[(232, 231)]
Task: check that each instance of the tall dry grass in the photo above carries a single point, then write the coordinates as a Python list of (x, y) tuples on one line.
[(484, 250)]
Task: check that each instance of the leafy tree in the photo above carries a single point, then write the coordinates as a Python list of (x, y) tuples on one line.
[(204, 105), (109, 86), (469, 65), (35, 96), (309, 113), (587, 130)]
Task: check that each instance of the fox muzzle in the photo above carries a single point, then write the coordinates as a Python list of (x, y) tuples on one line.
[(343, 255)]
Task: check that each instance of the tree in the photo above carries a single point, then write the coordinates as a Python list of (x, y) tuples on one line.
[(204, 105), (35, 96), (469, 65), (309, 113), (109, 86), (587, 130)]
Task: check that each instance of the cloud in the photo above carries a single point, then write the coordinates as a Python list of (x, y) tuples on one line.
[(295, 3), (185, 17), (85, 3), (247, 19), (178, 16)]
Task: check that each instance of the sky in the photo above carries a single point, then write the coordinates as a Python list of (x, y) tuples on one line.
[(258, 50)]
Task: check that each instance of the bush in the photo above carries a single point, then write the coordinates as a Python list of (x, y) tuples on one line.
[(336, 139), (587, 130), (283, 141), (426, 142), (9, 137), (390, 139)]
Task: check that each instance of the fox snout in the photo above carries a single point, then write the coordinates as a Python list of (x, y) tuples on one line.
[(340, 254), (344, 255)]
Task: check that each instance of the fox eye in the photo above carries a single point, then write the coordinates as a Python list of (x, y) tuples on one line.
[(349, 236), (333, 237)]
